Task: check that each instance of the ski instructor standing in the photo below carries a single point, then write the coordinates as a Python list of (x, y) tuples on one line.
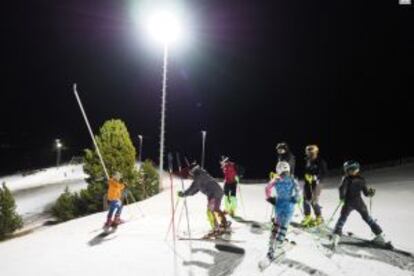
[(204, 183)]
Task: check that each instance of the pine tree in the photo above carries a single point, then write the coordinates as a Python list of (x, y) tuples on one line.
[(65, 207), (10, 221), (148, 179), (119, 154)]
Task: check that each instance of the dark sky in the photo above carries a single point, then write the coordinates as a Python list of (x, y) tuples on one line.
[(335, 73)]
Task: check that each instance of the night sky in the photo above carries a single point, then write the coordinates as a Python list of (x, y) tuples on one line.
[(254, 73)]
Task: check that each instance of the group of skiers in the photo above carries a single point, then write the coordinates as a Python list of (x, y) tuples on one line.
[(282, 192), (287, 195)]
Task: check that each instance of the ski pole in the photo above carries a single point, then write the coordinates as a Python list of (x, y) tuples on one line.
[(177, 201), (170, 170), (333, 214), (187, 163), (241, 199), (190, 243), (75, 91), (180, 216), (185, 200), (267, 212), (300, 204), (133, 201), (370, 206)]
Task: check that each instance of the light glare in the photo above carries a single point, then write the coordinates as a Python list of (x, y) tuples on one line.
[(164, 27)]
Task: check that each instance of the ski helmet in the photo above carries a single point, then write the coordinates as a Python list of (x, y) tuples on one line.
[(282, 148), (282, 167), (224, 159), (351, 166), (117, 176), (312, 150), (193, 167)]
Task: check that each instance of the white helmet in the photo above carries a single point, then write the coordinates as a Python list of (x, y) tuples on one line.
[(117, 176), (282, 167)]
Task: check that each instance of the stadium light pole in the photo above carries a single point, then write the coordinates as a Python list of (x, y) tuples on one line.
[(59, 146), (164, 27), (141, 138), (203, 149)]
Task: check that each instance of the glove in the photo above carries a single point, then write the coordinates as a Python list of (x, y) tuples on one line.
[(180, 194), (273, 176), (308, 178), (371, 192), (271, 200), (294, 199)]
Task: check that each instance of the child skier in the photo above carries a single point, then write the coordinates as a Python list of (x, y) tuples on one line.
[(230, 185), (204, 183), (114, 197), (284, 154), (287, 195), (315, 169), (353, 184)]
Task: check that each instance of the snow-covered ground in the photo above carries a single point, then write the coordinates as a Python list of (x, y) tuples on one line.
[(139, 247), (35, 193), (43, 177)]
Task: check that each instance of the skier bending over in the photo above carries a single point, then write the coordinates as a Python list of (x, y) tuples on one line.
[(287, 195), (315, 170), (230, 185), (204, 183), (350, 194), (114, 197)]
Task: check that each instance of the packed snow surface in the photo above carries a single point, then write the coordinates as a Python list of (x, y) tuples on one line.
[(142, 245), (36, 192)]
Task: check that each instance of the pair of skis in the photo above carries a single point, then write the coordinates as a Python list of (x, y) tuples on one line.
[(350, 239), (278, 257)]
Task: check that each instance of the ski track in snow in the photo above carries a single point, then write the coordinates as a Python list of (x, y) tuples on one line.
[(139, 246)]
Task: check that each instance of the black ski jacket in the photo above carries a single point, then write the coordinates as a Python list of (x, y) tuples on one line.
[(316, 167), (204, 183), (351, 189)]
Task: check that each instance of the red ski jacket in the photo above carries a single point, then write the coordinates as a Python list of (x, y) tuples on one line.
[(230, 173)]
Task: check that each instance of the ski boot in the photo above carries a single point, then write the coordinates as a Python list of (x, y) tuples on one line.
[(379, 239), (213, 234), (107, 225), (316, 222), (335, 240), (307, 221), (117, 221), (270, 256), (225, 231), (276, 250)]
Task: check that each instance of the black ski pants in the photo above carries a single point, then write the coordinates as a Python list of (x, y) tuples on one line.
[(361, 208)]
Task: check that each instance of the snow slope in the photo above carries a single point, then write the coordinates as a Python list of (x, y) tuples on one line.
[(139, 246), (43, 177), (35, 193)]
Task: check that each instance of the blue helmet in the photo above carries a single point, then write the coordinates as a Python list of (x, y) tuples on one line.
[(351, 166)]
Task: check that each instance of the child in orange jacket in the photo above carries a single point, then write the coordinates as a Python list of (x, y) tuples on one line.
[(114, 197)]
